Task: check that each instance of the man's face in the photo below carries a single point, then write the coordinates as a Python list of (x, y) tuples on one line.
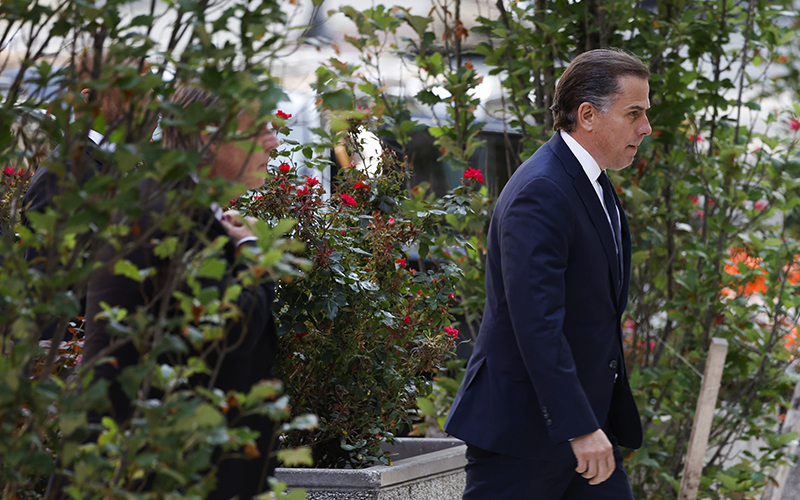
[(617, 134), (234, 160)]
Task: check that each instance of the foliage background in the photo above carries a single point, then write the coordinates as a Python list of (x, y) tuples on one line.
[(711, 198)]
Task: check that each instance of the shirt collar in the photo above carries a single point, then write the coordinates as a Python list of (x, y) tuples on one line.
[(97, 138), (588, 163)]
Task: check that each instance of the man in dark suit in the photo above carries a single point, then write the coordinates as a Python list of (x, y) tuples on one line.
[(246, 351), (545, 400)]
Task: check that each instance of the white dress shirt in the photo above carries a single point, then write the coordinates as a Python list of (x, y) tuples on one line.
[(592, 171)]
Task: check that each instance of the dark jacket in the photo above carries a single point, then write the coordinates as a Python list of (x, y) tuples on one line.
[(548, 362), (251, 342), (43, 187)]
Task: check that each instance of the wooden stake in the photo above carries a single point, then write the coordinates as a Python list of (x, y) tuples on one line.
[(703, 418)]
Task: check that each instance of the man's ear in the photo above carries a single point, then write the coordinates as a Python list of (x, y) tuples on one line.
[(586, 116), (85, 94)]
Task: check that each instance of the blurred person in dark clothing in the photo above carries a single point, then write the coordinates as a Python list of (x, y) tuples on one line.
[(86, 157), (246, 352)]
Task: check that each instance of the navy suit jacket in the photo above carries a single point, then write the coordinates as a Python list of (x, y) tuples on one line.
[(548, 362)]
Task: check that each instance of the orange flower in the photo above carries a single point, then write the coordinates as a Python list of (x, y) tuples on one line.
[(793, 271), (756, 285)]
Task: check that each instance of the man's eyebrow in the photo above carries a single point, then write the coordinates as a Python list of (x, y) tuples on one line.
[(636, 107)]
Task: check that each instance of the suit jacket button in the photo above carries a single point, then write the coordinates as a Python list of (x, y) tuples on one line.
[(549, 421), (544, 409), (613, 364)]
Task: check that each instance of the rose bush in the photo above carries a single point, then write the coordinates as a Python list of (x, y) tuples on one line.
[(363, 329)]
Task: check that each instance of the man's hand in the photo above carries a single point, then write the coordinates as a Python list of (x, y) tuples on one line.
[(595, 456), (238, 227)]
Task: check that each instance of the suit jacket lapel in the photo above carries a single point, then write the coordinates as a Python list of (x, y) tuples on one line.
[(592, 204)]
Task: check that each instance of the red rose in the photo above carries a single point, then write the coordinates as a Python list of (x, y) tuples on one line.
[(360, 185), (473, 173), (312, 181), (285, 167), (281, 114), (349, 200), (451, 331)]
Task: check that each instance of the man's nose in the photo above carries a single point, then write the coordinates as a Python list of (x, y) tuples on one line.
[(645, 128)]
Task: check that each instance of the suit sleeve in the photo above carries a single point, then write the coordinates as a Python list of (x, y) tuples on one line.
[(535, 239)]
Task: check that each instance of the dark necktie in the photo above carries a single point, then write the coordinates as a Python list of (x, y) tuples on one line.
[(611, 208)]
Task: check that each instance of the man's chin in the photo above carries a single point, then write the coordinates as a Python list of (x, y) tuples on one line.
[(617, 169)]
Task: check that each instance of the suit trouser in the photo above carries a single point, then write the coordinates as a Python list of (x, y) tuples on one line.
[(492, 476)]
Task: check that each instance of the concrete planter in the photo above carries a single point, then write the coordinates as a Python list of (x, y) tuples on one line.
[(424, 469)]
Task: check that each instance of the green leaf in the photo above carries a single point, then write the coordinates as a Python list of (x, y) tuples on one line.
[(296, 456), (265, 390), (128, 269), (70, 422), (166, 248), (338, 100), (638, 257), (204, 416), (727, 481), (283, 226), (331, 308), (426, 407), (212, 268), (232, 293), (785, 439)]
